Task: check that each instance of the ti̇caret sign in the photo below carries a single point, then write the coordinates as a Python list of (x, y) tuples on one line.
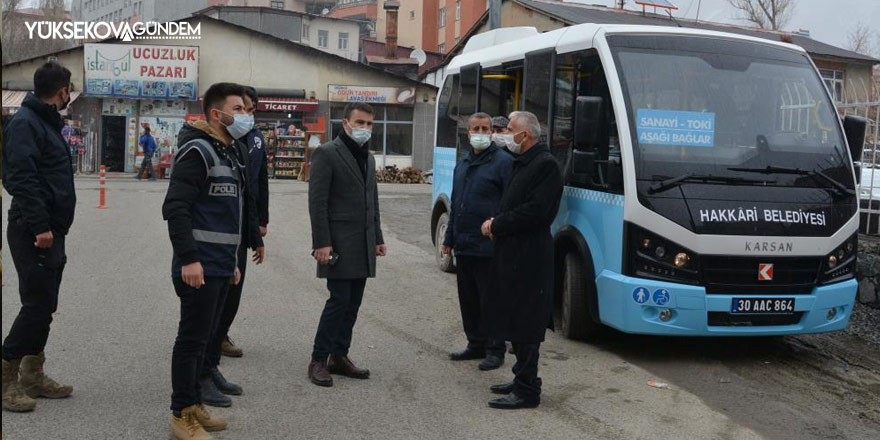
[(372, 95), (141, 71)]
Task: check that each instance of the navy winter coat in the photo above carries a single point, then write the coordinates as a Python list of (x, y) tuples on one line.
[(478, 184)]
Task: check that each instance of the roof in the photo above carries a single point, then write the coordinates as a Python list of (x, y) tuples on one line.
[(579, 13), (291, 44), (265, 10), (373, 48)]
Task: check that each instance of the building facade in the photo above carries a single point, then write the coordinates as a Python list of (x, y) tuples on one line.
[(301, 88)]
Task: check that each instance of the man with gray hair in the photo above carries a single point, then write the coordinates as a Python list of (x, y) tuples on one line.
[(520, 306), (478, 183)]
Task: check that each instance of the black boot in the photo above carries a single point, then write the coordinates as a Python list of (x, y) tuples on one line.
[(211, 395), (492, 362), (467, 354), (505, 388), (225, 386), (512, 401)]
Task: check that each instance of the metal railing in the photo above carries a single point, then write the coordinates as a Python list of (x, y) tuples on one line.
[(863, 100)]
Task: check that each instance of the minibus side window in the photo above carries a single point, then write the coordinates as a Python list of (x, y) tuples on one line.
[(538, 87), (469, 102), (581, 74), (447, 110)]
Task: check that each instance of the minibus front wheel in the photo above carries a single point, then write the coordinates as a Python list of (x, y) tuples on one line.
[(445, 262), (572, 314)]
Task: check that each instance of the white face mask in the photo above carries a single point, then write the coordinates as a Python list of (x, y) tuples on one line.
[(480, 141)]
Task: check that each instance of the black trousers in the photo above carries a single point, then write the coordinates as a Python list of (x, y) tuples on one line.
[(200, 311), (338, 318), (39, 278), (230, 309), (474, 275), (526, 383)]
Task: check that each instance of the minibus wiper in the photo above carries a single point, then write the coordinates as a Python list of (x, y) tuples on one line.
[(811, 173), (675, 181)]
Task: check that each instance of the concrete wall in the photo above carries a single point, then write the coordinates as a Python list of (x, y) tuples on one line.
[(423, 136), (21, 75), (334, 27)]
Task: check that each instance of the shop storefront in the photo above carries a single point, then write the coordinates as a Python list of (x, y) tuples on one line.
[(392, 140), (139, 86)]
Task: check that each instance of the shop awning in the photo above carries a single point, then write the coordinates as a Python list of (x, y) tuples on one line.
[(287, 105), (12, 100)]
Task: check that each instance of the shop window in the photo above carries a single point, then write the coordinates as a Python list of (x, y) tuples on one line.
[(442, 18), (323, 39), (277, 4), (398, 139), (343, 40), (392, 128)]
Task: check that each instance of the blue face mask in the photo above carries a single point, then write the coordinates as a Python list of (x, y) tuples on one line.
[(480, 141), (361, 135), (242, 123)]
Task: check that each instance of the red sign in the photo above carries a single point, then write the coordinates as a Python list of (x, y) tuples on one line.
[(287, 105), (192, 117), (765, 272)]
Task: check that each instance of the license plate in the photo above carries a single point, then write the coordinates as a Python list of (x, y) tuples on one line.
[(762, 305)]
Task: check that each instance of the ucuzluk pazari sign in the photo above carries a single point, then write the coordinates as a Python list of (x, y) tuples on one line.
[(141, 71)]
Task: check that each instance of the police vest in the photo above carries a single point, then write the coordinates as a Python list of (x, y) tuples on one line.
[(216, 214)]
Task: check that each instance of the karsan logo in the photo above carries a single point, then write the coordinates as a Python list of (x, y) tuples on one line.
[(102, 30)]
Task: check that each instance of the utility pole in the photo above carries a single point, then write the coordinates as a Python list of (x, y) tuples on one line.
[(494, 14)]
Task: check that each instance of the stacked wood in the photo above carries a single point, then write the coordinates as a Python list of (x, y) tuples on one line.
[(392, 174)]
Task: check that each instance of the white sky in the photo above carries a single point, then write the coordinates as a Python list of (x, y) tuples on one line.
[(829, 21)]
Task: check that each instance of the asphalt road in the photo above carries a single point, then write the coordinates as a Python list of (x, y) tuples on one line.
[(117, 318)]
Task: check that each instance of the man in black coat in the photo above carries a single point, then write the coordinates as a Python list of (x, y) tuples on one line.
[(346, 238), (520, 307), (479, 181), (38, 173)]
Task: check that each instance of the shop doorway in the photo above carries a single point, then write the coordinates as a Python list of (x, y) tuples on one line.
[(113, 143)]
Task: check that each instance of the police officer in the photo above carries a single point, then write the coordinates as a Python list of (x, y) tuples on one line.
[(204, 207), (479, 181), (38, 173), (258, 185)]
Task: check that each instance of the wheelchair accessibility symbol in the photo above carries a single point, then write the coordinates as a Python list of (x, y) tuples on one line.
[(661, 297)]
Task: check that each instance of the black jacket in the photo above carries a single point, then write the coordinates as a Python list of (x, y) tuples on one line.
[(344, 211), (190, 174), (478, 183), (259, 172), (521, 305), (37, 170)]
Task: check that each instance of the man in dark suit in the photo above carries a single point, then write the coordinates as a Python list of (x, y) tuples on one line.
[(520, 307), (346, 238)]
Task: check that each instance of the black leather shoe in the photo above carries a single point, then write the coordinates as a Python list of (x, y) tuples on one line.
[(504, 388), (467, 354), (491, 362), (225, 386), (212, 396), (512, 401)]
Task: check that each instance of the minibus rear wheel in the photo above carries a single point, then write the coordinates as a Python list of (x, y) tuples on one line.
[(573, 317)]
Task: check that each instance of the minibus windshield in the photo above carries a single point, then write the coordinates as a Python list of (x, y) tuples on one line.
[(728, 109)]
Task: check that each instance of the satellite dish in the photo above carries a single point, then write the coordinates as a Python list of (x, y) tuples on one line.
[(419, 55), (325, 11)]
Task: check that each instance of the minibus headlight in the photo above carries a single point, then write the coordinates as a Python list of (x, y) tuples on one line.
[(840, 264), (647, 255)]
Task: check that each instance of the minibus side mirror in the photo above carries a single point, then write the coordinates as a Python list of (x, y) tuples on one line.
[(589, 112), (583, 163), (854, 128)]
